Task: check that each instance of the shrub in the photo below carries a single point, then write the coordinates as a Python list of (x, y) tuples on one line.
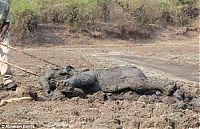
[(127, 15), (23, 12)]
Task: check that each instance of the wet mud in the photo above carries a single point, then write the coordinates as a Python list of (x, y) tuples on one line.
[(118, 83)]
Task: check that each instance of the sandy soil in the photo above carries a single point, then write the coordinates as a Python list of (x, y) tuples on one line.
[(176, 60)]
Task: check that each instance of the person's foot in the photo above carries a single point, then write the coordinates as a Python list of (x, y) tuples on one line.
[(9, 86)]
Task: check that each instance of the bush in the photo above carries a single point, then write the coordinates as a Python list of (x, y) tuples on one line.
[(127, 15), (73, 12), (24, 12), (179, 12)]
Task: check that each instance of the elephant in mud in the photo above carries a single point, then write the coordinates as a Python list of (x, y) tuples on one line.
[(70, 82)]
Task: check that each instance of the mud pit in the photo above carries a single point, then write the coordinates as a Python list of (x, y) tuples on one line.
[(145, 111), (118, 83)]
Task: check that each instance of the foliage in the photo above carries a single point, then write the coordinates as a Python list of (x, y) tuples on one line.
[(89, 13)]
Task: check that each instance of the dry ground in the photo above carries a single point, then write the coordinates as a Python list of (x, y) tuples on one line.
[(176, 59)]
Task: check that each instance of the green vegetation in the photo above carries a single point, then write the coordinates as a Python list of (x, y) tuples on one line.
[(90, 13), (20, 8), (87, 11)]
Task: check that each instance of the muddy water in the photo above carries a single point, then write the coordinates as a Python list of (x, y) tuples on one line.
[(188, 73)]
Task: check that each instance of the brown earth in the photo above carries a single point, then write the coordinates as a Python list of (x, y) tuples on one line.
[(164, 58)]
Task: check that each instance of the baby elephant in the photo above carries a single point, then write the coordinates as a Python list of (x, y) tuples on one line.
[(70, 82)]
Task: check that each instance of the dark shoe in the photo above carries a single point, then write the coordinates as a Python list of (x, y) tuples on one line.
[(9, 86)]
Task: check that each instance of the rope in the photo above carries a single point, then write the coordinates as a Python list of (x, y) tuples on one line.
[(32, 56), (18, 67)]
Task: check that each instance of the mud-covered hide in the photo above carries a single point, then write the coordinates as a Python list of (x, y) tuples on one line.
[(128, 78), (66, 81), (70, 82)]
